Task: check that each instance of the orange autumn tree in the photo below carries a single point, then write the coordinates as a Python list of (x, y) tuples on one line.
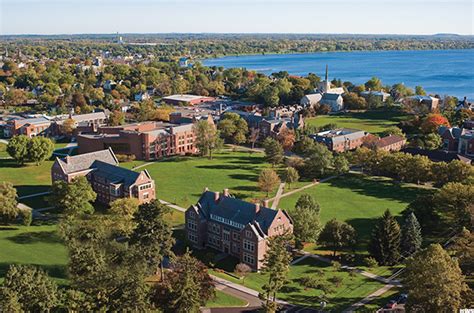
[(432, 122)]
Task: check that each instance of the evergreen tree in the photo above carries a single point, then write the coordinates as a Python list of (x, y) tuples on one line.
[(35, 291), (276, 264), (273, 151), (385, 242), (434, 282), (306, 224), (411, 235), (337, 235)]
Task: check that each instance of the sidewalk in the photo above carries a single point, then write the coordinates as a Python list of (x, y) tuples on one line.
[(35, 195), (369, 298), (276, 200), (173, 206)]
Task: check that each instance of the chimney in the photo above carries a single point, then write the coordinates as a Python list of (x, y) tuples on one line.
[(206, 189), (265, 203), (257, 207), (67, 159), (226, 192), (216, 196)]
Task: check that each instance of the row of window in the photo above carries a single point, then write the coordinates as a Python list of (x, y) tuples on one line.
[(146, 186), (226, 221), (192, 237), (249, 246), (192, 225), (249, 259)]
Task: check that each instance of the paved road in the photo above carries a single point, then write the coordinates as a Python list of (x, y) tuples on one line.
[(276, 200), (369, 298)]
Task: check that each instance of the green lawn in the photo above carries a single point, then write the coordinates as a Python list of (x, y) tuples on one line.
[(352, 288), (223, 300), (358, 200), (38, 245), (181, 180), (371, 121), (28, 179)]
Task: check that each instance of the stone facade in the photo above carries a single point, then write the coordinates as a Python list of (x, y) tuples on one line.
[(107, 179), (238, 228)]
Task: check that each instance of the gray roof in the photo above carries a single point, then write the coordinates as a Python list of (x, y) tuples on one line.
[(236, 210), (338, 135), (114, 174), (81, 162), (34, 121), (455, 132), (331, 96)]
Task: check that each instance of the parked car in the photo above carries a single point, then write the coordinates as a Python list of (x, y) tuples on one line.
[(402, 299), (391, 304)]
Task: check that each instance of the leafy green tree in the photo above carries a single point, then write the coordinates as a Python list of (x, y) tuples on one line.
[(8, 203), (304, 146), (385, 241), (273, 151), (74, 198), (188, 286), (36, 292), (153, 236), (319, 162), (306, 223), (341, 165), (207, 138), (463, 249), (121, 215), (434, 282), (455, 201), (373, 84), (291, 176), (40, 149), (17, 148), (337, 235), (354, 102), (417, 169), (420, 91), (392, 130), (411, 235), (116, 118), (276, 264), (233, 128), (268, 180)]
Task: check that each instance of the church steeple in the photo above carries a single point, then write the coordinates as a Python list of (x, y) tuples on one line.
[(326, 77)]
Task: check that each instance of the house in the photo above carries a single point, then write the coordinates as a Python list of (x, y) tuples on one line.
[(183, 62), (310, 100), (380, 95), (234, 226), (107, 179), (187, 99), (391, 143), (37, 126), (430, 103), (142, 96), (146, 140), (333, 100), (273, 127), (109, 85), (459, 140), (340, 140), (325, 86)]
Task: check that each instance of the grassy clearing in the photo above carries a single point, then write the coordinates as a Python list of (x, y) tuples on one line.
[(36, 245), (223, 300), (181, 180), (27, 179), (371, 121), (358, 200), (351, 289), (3, 151)]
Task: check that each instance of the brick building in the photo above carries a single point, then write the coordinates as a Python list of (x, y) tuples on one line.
[(459, 140), (391, 143), (107, 179), (31, 127), (340, 140), (235, 227), (146, 140)]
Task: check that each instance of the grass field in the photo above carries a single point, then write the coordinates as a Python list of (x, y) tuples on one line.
[(181, 180), (36, 245), (28, 179), (224, 300), (357, 199), (3, 151), (371, 121), (352, 288)]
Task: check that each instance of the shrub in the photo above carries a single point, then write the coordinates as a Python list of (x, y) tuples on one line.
[(336, 280), (125, 157), (336, 266), (325, 288), (26, 217), (309, 281), (370, 262)]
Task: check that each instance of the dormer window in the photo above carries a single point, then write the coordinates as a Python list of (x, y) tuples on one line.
[(115, 190)]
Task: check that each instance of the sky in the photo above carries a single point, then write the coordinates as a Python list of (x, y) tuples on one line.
[(237, 16)]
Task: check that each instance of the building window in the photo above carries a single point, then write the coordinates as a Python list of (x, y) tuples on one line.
[(236, 236), (248, 234), (249, 246), (114, 191), (146, 186), (192, 237), (250, 259), (145, 195), (192, 225)]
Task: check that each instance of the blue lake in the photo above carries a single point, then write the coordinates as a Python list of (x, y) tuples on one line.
[(442, 72)]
